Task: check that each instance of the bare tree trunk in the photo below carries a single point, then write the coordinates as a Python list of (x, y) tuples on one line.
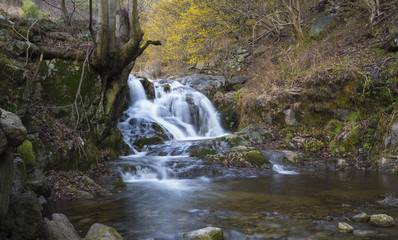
[(292, 8), (103, 33), (112, 25), (65, 14)]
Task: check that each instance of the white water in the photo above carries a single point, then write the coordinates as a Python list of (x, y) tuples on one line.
[(279, 169), (178, 115)]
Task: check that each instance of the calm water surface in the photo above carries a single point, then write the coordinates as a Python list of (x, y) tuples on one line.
[(271, 207)]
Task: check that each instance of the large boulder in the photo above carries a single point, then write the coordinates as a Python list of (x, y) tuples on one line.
[(322, 24), (209, 233), (59, 228), (100, 231), (205, 84), (24, 216), (13, 128), (38, 183)]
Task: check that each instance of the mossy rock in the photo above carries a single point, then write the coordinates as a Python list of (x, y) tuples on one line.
[(99, 231), (256, 157), (148, 141), (202, 153), (27, 153), (381, 220), (60, 80)]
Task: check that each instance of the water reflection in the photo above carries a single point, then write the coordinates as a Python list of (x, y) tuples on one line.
[(275, 206)]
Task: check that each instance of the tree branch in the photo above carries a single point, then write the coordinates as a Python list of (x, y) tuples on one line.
[(147, 44)]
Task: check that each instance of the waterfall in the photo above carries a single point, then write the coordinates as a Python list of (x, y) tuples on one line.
[(178, 112), (180, 116)]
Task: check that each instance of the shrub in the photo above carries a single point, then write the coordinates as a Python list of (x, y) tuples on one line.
[(30, 10)]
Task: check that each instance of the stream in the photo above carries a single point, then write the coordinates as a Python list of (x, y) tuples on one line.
[(168, 192)]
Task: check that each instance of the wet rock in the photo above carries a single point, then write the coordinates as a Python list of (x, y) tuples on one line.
[(12, 128), (322, 24), (345, 227), (364, 233), (389, 201), (148, 141), (361, 218), (381, 220), (38, 183), (240, 156), (59, 228), (100, 231), (282, 156), (24, 215), (209, 233)]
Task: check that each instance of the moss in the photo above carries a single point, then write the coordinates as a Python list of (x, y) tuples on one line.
[(118, 183), (203, 153), (27, 153), (92, 156), (257, 158), (148, 141), (61, 78)]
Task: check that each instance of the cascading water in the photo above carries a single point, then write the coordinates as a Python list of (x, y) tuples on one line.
[(179, 116)]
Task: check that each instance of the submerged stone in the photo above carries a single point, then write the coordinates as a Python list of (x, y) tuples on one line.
[(364, 233), (381, 220), (209, 233), (361, 218), (345, 227)]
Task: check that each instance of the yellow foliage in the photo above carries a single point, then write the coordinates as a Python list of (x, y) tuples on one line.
[(190, 32)]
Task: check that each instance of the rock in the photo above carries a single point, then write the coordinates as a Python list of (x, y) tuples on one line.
[(63, 36), (322, 24), (27, 153), (12, 128), (205, 84), (290, 117), (38, 183), (209, 233), (345, 227), (364, 233), (6, 178), (59, 228), (100, 231), (3, 141), (392, 38), (392, 139), (389, 201), (148, 141), (238, 80), (19, 176), (24, 215), (342, 113), (240, 156), (43, 202), (381, 220), (361, 218)]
